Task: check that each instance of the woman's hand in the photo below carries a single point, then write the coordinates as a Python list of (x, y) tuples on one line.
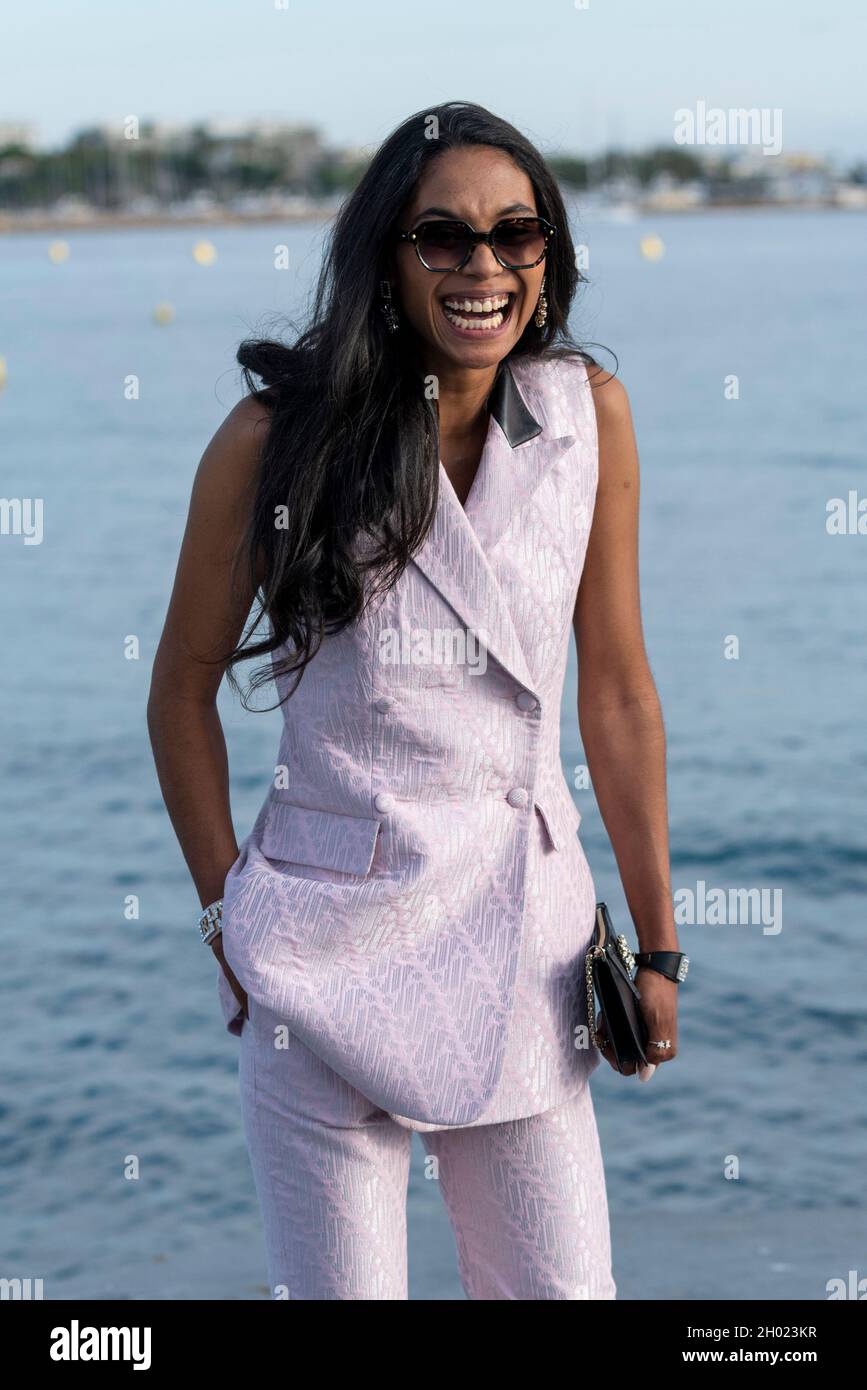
[(239, 993), (658, 1006)]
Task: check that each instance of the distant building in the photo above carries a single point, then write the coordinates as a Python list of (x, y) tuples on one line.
[(17, 133)]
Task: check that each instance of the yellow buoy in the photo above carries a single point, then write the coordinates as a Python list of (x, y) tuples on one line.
[(204, 253), (652, 248), (58, 252), (164, 313), (3, 372)]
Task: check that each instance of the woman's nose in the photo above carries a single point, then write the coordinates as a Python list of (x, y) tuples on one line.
[(483, 262)]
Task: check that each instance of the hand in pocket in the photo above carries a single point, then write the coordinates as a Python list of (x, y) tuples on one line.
[(239, 993)]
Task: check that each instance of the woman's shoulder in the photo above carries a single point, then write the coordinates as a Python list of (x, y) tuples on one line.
[(609, 395), (231, 459), (565, 381), (568, 367), (246, 426), (252, 415), (585, 367)]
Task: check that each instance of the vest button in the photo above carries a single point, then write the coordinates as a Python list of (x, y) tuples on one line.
[(525, 701), (384, 705), (383, 801), (518, 797)]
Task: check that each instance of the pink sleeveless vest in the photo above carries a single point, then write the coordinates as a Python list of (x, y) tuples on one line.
[(413, 900)]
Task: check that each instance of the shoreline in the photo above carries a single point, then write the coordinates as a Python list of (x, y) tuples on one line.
[(114, 222), (12, 224)]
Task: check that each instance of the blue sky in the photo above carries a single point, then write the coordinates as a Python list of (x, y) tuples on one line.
[(572, 78)]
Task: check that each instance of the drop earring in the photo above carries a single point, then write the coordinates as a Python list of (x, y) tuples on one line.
[(541, 317), (389, 312)]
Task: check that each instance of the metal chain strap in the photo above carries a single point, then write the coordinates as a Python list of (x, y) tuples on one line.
[(628, 960), (591, 999)]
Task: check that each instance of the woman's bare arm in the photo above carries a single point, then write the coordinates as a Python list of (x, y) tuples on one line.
[(206, 616), (618, 708)]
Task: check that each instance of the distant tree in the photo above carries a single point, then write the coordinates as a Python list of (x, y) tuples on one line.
[(643, 165), (335, 175), (677, 163), (570, 169)]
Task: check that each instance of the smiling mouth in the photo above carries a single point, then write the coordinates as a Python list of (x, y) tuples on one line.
[(477, 313)]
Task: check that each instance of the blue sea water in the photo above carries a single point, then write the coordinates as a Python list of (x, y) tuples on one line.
[(113, 1046)]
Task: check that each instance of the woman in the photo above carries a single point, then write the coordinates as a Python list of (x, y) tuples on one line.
[(403, 931)]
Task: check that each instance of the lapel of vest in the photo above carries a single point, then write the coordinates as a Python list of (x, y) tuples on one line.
[(455, 555)]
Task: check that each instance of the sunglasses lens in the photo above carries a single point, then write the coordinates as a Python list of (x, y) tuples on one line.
[(443, 244), (520, 241)]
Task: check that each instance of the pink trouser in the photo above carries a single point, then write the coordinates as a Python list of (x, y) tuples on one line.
[(526, 1198)]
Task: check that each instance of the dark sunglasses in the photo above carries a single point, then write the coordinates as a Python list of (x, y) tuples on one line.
[(518, 243)]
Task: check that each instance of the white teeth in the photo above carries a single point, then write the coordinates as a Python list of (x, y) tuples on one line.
[(478, 306), (479, 324), (484, 314)]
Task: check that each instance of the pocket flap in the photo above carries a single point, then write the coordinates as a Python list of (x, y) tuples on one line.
[(324, 839), (562, 819)]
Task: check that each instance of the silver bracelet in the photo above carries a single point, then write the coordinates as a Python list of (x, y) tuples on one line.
[(211, 921)]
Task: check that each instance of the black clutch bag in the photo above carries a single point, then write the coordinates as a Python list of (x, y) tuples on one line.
[(610, 966)]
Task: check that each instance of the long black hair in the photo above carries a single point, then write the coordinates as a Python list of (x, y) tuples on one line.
[(350, 463)]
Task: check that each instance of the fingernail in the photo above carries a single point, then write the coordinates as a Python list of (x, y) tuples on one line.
[(645, 1072)]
